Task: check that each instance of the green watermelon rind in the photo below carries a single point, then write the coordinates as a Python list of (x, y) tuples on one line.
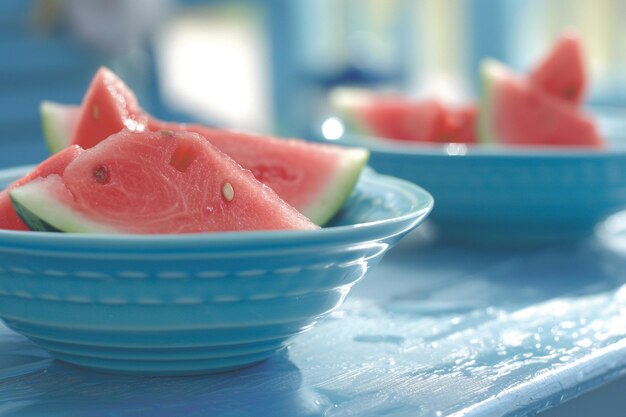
[(32, 222), (41, 211), (491, 71), (58, 122), (329, 201)]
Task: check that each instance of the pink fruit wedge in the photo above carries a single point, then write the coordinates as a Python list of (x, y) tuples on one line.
[(562, 72), (153, 182), (516, 112)]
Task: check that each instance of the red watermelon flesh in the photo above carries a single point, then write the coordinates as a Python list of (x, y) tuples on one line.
[(397, 117), (516, 112), (108, 107), (56, 164), (562, 72), (460, 125), (155, 182), (301, 182)]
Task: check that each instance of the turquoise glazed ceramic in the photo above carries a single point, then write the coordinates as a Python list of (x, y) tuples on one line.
[(515, 196), (197, 303)]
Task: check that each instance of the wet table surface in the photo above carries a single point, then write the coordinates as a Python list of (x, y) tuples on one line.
[(433, 330)]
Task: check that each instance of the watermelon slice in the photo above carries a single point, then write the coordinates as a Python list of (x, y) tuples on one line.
[(153, 182), (314, 178), (9, 220), (108, 107), (515, 112), (562, 72), (397, 117)]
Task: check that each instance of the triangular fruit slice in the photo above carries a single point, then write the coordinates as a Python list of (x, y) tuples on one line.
[(108, 107), (562, 72), (397, 117), (153, 182), (516, 112), (9, 220), (314, 178)]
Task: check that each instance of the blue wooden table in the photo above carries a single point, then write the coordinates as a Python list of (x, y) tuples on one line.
[(433, 330)]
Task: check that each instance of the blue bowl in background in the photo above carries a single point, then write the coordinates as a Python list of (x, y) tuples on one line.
[(490, 194), (195, 303)]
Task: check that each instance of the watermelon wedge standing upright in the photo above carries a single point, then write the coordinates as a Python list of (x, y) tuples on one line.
[(514, 111), (108, 107), (562, 72)]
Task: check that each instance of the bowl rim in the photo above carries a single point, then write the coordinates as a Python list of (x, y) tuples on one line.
[(462, 150), (421, 201)]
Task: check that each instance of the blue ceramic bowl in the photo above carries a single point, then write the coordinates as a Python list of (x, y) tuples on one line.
[(197, 303), (514, 196)]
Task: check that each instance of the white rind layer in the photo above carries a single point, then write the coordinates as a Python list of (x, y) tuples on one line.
[(491, 72), (58, 123)]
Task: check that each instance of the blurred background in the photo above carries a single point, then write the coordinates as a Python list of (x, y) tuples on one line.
[(268, 65)]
